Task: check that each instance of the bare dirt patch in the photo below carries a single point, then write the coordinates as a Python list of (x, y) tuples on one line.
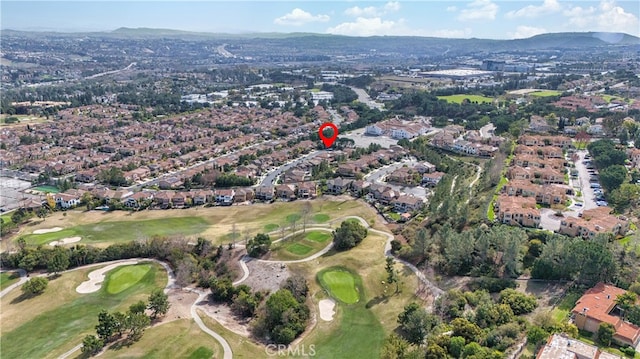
[(65, 241), (266, 276), (222, 313), (97, 277), (326, 307), (180, 304), (47, 230)]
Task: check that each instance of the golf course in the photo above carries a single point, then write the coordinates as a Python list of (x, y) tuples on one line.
[(55, 322)]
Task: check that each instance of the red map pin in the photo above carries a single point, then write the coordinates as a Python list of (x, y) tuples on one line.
[(328, 141)]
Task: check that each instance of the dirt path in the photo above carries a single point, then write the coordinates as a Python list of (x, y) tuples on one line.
[(228, 354), (475, 180)]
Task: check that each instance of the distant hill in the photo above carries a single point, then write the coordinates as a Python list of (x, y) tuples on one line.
[(321, 44)]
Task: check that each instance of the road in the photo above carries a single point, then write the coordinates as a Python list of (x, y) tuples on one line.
[(378, 176), (23, 278), (271, 176), (155, 180), (363, 97), (228, 354), (548, 218), (486, 131)]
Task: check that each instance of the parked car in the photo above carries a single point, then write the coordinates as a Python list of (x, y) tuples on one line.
[(595, 185), (577, 204), (602, 203)]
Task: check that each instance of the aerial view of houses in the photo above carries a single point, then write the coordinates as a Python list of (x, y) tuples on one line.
[(172, 194)]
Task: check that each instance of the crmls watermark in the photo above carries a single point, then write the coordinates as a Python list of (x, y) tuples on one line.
[(282, 350)]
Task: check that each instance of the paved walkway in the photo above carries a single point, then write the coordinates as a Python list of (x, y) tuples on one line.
[(23, 278)]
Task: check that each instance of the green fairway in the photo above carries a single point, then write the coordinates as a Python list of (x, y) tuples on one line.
[(358, 334), (321, 218), (8, 278), (341, 284), (300, 245), (545, 93), (177, 339), (299, 249), (318, 236), (125, 277), (472, 98), (58, 327), (120, 231), (270, 227), (47, 189)]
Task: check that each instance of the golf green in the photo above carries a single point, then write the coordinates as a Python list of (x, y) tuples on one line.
[(341, 284), (299, 249), (125, 277)]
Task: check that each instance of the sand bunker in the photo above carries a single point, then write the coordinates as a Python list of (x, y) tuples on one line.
[(48, 230), (326, 309), (97, 277), (65, 241)]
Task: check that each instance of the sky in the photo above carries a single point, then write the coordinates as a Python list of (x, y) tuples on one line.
[(491, 19)]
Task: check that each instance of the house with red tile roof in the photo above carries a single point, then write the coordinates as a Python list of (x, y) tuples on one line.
[(597, 306)]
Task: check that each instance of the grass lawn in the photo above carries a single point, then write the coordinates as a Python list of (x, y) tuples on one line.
[(50, 324), (271, 227), (177, 339), (120, 231), (341, 284), (212, 223), (318, 236), (321, 218), (300, 245), (125, 277), (561, 311), (545, 93), (47, 189), (8, 278), (472, 98), (242, 347), (293, 217), (298, 249)]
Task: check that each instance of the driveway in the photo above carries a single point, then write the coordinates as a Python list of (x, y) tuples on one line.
[(378, 176), (588, 196)]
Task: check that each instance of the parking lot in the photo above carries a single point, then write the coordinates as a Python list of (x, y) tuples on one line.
[(11, 192), (362, 140)]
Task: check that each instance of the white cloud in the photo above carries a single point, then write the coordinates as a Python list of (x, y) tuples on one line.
[(451, 34), (523, 32), (298, 17), (368, 27), (607, 16), (379, 27), (547, 7), (373, 11), (452, 8), (479, 10)]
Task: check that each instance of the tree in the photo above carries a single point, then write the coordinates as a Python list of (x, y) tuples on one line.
[(158, 303), (605, 333), (91, 345), (536, 335), (138, 307), (520, 303), (456, 346), (28, 262), (137, 323), (122, 322), (394, 347), (392, 276), (259, 245), (612, 177), (106, 326), (284, 317), (297, 285), (306, 211), (58, 260), (348, 235), (415, 323), (34, 286), (434, 351)]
